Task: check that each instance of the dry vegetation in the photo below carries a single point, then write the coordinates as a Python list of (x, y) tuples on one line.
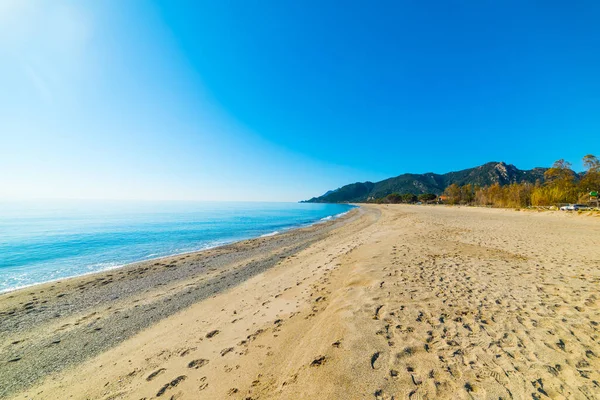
[(561, 186)]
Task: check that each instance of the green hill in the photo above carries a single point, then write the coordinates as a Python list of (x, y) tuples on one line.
[(484, 175)]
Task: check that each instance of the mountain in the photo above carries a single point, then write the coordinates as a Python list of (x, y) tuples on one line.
[(329, 192), (484, 175)]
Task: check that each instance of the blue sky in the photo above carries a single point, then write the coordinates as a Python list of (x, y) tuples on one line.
[(282, 100)]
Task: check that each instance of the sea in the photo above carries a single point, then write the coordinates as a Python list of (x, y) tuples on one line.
[(52, 240)]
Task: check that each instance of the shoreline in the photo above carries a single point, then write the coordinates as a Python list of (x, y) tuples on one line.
[(53, 321), (397, 302), (283, 230)]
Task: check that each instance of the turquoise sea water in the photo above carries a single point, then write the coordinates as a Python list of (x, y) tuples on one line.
[(44, 241)]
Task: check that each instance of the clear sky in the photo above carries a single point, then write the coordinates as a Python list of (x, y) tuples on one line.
[(283, 100)]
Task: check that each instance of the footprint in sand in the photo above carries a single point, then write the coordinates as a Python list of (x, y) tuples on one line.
[(376, 360), (317, 362), (212, 333), (197, 363), (155, 374), (227, 350), (171, 384), (377, 310)]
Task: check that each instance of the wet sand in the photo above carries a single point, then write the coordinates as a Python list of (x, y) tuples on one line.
[(396, 302)]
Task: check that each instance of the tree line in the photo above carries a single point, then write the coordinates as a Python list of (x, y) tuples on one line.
[(561, 185), (406, 198)]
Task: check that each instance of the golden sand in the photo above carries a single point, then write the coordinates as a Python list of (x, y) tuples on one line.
[(405, 302)]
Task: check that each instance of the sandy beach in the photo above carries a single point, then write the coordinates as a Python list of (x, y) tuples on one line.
[(389, 302)]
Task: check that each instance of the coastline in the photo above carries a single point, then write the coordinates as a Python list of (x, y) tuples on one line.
[(397, 302), (51, 321), (210, 247)]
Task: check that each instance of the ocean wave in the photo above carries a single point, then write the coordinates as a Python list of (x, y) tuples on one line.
[(336, 216), (270, 234)]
